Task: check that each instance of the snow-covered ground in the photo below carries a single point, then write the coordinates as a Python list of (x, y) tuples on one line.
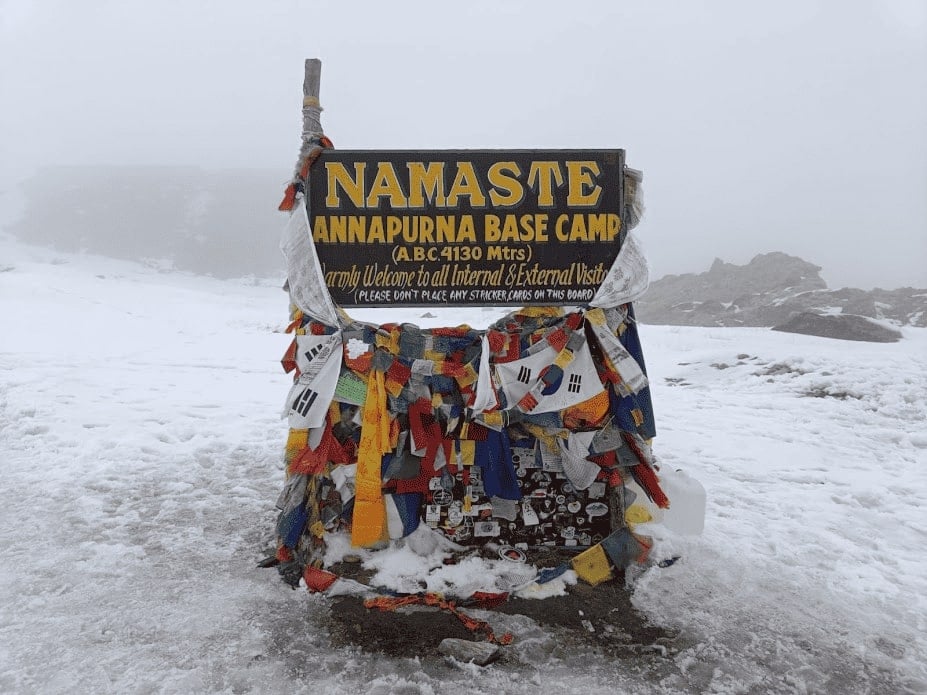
[(140, 454)]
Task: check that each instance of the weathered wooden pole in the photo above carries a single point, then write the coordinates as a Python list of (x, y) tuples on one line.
[(313, 138), (312, 109)]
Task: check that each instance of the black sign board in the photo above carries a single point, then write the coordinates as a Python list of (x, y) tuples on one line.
[(466, 227)]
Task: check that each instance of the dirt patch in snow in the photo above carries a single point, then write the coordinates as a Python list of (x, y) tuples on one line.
[(602, 616)]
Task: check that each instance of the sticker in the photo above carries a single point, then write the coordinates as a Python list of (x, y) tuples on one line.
[(595, 491), (560, 499), (596, 509), (575, 505), (447, 480), (455, 514), (528, 515), (504, 509), (540, 493), (507, 552), (432, 514), (486, 529), (442, 497), (540, 478), (551, 460), (523, 456)]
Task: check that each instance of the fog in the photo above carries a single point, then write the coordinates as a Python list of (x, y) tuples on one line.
[(796, 126)]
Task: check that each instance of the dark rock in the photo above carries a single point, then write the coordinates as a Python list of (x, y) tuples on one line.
[(842, 326), (768, 291)]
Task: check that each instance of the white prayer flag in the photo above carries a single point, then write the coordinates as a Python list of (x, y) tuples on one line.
[(485, 397), (627, 279), (318, 358), (308, 290), (579, 469), (632, 376)]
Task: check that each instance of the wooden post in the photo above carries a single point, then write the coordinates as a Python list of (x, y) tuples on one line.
[(312, 124), (312, 132), (312, 110)]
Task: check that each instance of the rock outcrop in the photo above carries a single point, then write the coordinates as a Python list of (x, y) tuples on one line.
[(769, 291)]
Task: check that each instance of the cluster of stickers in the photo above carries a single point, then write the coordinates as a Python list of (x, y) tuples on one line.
[(551, 512)]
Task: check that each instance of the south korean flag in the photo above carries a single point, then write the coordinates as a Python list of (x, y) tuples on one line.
[(522, 385), (318, 358)]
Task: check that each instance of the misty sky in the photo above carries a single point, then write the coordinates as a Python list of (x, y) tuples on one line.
[(796, 126)]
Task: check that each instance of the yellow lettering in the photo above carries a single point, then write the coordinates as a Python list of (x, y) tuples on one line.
[(426, 183), (357, 229), (444, 227), (467, 184), (446, 235), (581, 175), (614, 226), (320, 230), (558, 228), (507, 191), (541, 227), (375, 231), (491, 231), (338, 231), (530, 228), (541, 178), (386, 184), (393, 227), (338, 176), (426, 226), (598, 227), (466, 231), (578, 230), (509, 229)]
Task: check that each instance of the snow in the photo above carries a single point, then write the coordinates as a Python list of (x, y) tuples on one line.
[(141, 454)]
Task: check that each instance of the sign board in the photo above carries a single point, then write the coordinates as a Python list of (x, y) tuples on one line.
[(466, 227)]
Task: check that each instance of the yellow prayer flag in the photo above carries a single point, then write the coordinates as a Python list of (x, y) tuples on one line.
[(593, 566)]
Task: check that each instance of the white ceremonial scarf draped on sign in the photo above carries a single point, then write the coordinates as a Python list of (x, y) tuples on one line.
[(304, 274), (580, 380), (632, 376), (485, 397), (318, 358), (627, 279), (574, 452)]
